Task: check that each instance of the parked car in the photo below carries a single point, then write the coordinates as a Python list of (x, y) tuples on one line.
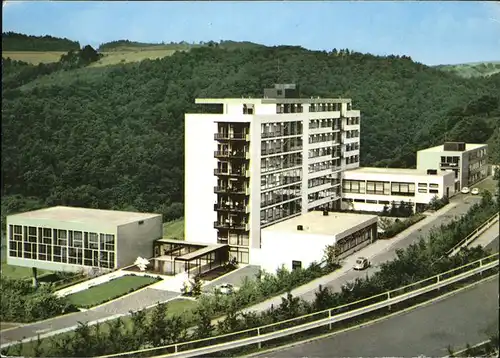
[(465, 190), (361, 263), (475, 191), (226, 288)]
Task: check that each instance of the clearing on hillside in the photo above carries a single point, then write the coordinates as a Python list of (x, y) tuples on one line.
[(33, 57)]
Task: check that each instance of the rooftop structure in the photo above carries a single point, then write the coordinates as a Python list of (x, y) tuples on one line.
[(317, 223), (393, 171)]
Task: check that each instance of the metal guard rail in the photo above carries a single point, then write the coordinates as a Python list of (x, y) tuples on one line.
[(464, 242), (388, 298)]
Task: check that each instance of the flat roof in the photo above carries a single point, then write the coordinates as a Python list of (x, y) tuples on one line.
[(84, 215), (271, 100), (200, 252), (440, 148), (314, 222), (394, 171)]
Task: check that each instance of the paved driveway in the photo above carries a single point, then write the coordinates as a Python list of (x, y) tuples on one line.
[(235, 278), (140, 299), (467, 317)]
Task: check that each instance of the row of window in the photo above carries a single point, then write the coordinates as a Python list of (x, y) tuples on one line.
[(270, 181), (268, 216), (351, 146), (352, 159), (355, 239), (289, 107), (281, 145), (333, 123), (352, 121), (378, 187), (352, 134), (62, 254), (327, 179), (282, 129), (321, 152), (324, 137), (71, 238), (280, 162), (326, 165), (327, 193), (477, 154), (280, 195), (326, 107), (450, 160)]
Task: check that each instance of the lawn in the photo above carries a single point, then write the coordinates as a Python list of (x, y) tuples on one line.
[(110, 290), (177, 307), (17, 272), (174, 229), (117, 57)]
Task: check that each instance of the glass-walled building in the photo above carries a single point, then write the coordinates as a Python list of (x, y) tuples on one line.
[(71, 239)]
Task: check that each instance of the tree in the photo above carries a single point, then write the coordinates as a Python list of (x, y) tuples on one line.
[(385, 210), (394, 209), (156, 330), (203, 321)]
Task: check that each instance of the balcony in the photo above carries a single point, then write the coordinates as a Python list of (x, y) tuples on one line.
[(448, 165), (234, 226), (230, 136), (230, 190), (232, 172), (231, 208), (229, 154)]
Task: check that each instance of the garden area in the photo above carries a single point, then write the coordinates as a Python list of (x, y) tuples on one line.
[(167, 329), (111, 290)]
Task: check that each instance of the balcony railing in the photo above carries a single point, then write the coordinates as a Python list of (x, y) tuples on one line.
[(234, 226), (449, 165), (230, 136), (229, 154), (231, 172), (230, 190), (230, 208), (282, 133)]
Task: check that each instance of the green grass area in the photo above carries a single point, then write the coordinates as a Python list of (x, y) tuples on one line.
[(177, 307), (109, 290), (135, 55), (487, 184), (174, 229)]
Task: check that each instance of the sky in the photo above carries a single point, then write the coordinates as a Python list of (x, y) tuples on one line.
[(431, 32)]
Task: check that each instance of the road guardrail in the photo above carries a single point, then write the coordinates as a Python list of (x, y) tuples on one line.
[(320, 318), (472, 236)]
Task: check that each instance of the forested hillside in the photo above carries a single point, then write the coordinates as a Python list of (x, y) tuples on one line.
[(12, 41), (113, 137)]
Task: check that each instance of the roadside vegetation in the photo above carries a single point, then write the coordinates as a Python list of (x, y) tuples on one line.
[(422, 259), (110, 290)]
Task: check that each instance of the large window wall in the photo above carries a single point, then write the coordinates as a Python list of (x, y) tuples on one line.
[(378, 187), (62, 246), (279, 212)]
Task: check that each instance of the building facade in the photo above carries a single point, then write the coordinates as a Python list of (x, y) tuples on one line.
[(468, 161), (370, 189), (251, 163), (74, 239)]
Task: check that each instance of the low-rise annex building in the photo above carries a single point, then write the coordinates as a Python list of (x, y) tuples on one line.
[(73, 239), (302, 240), (370, 189), (467, 160)]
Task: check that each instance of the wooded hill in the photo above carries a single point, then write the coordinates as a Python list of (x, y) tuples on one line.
[(12, 41), (112, 137)]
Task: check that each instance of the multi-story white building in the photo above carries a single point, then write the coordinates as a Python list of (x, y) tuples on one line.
[(370, 189), (468, 161), (250, 163)]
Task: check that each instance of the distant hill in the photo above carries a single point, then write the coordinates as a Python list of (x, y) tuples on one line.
[(123, 45), (12, 41), (112, 137), (470, 70)]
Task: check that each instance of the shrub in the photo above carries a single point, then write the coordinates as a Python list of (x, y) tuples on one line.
[(399, 226)]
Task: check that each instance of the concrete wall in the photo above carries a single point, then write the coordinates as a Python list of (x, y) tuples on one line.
[(45, 265), (199, 178), (283, 247), (136, 239)]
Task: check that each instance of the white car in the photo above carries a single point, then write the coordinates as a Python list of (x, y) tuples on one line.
[(361, 263), (465, 190), (475, 191), (226, 288)]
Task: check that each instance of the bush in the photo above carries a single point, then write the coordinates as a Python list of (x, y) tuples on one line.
[(399, 226), (436, 203), (23, 303)]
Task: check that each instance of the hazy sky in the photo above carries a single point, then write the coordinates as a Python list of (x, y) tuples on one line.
[(430, 32)]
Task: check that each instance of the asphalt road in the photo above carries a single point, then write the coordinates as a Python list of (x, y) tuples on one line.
[(466, 317), (463, 205)]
